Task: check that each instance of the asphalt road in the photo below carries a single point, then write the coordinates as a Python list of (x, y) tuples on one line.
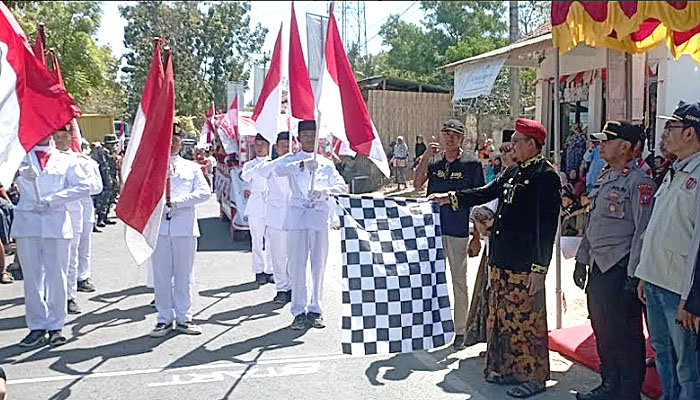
[(246, 351)]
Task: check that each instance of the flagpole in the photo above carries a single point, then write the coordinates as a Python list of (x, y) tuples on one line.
[(35, 182)]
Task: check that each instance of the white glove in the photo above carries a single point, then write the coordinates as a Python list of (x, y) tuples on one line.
[(28, 173), (311, 165), (42, 206), (317, 196), (174, 205)]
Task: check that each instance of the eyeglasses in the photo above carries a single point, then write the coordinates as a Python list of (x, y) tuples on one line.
[(668, 127)]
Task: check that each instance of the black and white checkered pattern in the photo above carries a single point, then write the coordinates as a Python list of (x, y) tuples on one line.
[(395, 297)]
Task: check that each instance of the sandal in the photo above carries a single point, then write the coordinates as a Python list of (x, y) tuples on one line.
[(527, 389), (503, 380), (6, 278)]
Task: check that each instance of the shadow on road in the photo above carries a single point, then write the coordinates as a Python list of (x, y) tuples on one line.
[(121, 294), (401, 366), (228, 290), (215, 236)]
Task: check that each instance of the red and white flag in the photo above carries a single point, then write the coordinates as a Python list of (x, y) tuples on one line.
[(77, 136), (267, 109), (301, 97), (145, 164), (228, 129), (209, 127), (342, 111), (33, 104)]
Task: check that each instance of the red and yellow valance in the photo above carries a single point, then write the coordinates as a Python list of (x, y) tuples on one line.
[(632, 26)]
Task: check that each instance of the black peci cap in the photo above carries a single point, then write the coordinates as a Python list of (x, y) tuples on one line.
[(260, 137), (283, 136), (307, 125)]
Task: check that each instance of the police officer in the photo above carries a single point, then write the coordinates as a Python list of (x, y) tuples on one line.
[(110, 183), (609, 254), (48, 180)]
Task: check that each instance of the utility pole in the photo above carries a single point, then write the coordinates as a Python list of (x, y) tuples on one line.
[(514, 72)]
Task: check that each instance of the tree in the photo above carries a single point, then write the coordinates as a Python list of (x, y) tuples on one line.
[(210, 43), (89, 70)]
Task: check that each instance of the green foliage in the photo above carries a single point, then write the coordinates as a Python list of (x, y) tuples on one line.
[(89, 70), (211, 44)]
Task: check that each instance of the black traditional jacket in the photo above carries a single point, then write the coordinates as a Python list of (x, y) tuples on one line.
[(529, 200)]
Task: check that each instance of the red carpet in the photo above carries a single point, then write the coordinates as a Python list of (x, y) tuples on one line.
[(578, 343)]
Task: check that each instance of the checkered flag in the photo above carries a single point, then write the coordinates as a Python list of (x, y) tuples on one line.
[(394, 288)]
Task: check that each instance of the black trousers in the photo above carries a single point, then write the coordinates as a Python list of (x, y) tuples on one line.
[(616, 317)]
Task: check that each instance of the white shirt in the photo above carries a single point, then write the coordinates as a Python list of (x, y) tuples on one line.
[(61, 182), (255, 206), (92, 169), (188, 187), (302, 213)]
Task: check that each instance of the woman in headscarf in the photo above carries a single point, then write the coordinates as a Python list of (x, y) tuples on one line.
[(400, 162)]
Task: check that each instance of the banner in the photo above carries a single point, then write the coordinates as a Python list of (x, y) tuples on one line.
[(238, 200), (476, 79), (395, 297)]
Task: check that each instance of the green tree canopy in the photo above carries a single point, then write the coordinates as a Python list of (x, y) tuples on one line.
[(211, 44), (89, 70)]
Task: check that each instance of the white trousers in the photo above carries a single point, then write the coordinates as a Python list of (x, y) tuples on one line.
[(257, 237), (44, 264), (72, 271), (276, 249), (173, 277), (85, 252), (301, 245)]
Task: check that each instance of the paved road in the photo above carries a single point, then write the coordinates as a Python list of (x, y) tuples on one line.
[(246, 351)]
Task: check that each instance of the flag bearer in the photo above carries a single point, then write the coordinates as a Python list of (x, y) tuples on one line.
[(306, 223), (255, 209), (85, 245), (48, 180), (173, 257)]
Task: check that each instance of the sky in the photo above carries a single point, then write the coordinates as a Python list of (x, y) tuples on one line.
[(270, 14)]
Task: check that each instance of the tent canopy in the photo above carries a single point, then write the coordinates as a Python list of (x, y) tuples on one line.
[(631, 26)]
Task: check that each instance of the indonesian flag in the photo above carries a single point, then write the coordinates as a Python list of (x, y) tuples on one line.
[(39, 46), (33, 104), (267, 109), (228, 129), (145, 164), (341, 109), (77, 137), (301, 97), (208, 128)]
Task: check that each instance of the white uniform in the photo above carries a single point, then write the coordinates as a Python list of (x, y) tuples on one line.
[(85, 245), (44, 235), (306, 223), (255, 212), (78, 211), (173, 257)]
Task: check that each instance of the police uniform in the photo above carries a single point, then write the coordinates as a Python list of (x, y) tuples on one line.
[(173, 256), (522, 241), (663, 264), (306, 223), (621, 208), (255, 212), (42, 228)]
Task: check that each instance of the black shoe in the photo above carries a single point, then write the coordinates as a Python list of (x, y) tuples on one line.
[(270, 278), (289, 296), (100, 224), (280, 298), (602, 392), (95, 230), (34, 338), (300, 322), (56, 338), (315, 320), (153, 303), (260, 279), (458, 343), (110, 222), (86, 286), (73, 307)]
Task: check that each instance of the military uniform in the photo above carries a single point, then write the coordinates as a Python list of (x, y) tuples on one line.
[(621, 208), (110, 181), (522, 241)]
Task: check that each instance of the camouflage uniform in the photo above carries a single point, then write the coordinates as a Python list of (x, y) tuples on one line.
[(108, 170)]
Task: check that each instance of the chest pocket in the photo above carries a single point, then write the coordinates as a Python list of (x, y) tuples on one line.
[(53, 177), (614, 204)]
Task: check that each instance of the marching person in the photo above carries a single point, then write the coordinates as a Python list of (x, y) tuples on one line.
[(664, 257), (306, 222), (609, 253), (456, 170), (48, 180), (110, 180), (520, 248), (77, 212), (173, 257), (255, 209), (85, 245), (277, 203)]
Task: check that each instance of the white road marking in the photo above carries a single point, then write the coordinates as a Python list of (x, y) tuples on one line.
[(255, 372), (219, 365)]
